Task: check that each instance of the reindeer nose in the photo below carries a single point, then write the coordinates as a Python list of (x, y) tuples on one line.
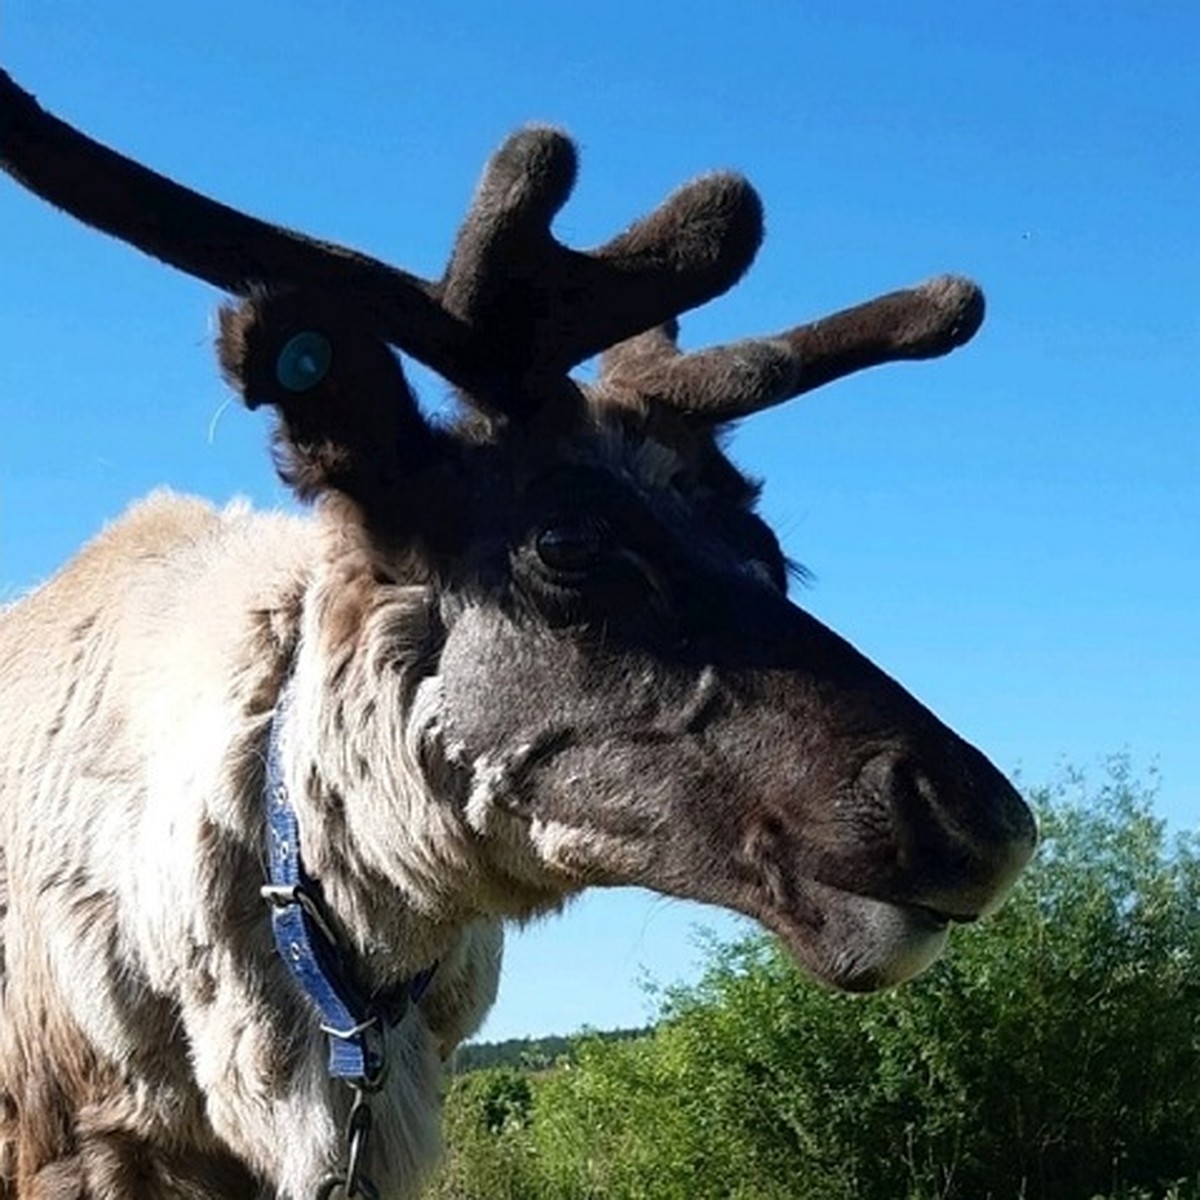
[(963, 833)]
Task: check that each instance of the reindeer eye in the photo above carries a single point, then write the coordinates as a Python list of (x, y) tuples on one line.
[(572, 545)]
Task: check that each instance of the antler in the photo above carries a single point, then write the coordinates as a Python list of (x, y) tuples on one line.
[(544, 307), (726, 382), (515, 309), (203, 237), (514, 304)]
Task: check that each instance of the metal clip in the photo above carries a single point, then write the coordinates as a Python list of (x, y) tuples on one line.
[(280, 895), (353, 1184)]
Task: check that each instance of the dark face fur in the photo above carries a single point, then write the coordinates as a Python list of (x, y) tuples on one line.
[(630, 693)]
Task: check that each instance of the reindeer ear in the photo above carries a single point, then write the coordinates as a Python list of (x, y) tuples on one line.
[(348, 421)]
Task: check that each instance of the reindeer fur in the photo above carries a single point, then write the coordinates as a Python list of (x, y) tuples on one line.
[(545, 647)]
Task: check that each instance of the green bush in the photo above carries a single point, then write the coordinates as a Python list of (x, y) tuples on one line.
[(486, 1127), (1053, 1054)]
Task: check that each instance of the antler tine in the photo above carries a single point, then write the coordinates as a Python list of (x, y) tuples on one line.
[(209, 240), (542, 307), (732, 381)]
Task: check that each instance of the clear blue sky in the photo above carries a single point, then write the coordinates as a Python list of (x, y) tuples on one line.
[(1013, 531)]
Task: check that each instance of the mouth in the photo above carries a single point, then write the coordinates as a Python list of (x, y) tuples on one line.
[(857, 943)]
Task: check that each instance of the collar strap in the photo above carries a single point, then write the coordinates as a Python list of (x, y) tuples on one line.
[(306, 941)]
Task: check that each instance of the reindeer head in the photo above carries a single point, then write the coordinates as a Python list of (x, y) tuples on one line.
[(613, 685)]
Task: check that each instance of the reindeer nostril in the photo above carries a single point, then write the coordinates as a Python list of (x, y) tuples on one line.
[(894, 780), (961, 835), (911, 788)]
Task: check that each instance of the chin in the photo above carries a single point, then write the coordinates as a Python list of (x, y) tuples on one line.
[(858, 944)]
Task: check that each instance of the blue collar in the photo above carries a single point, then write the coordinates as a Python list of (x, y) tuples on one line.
[(305, 938)]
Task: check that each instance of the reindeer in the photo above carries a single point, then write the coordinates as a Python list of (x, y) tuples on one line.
[(269, 786)]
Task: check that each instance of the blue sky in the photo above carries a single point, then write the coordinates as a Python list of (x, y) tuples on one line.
[(1013, 531)]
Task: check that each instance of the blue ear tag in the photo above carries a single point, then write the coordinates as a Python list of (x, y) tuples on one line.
[(304, 361)]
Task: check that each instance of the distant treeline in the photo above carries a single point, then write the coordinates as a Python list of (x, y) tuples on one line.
[(531, 1054)]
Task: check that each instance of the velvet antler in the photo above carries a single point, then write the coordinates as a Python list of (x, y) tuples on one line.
[(514, 304), (545, 307), (731, 381), (201, 236), (515, 310)]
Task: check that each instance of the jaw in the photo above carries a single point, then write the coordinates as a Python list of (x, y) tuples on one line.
[(856, 943), (848, 941), (851, 942)]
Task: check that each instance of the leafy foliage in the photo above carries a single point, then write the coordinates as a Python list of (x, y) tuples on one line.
[(1053, 1054)]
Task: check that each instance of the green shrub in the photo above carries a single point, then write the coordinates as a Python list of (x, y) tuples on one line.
[(486, 1122)]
